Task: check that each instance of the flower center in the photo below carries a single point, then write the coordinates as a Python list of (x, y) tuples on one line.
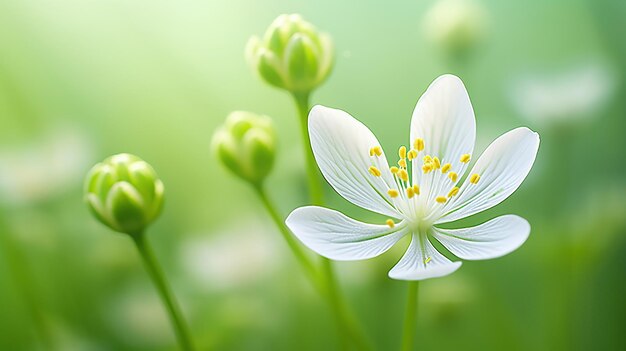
[(437, 181)]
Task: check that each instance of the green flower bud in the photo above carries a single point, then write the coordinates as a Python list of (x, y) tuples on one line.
[(124, 193), (292, 54), (246, 145)]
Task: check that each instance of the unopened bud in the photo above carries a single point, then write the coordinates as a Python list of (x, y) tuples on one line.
[(124, 193)]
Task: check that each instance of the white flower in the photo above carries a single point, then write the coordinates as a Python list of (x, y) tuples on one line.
[(422, 192)]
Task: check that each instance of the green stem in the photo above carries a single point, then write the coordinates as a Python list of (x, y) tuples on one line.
[(410, 319), (348, 325), (315, 186), (157, 276), (323, 280), (297, 250)]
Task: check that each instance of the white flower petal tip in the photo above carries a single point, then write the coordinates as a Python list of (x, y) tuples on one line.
[(495, 238), (338, 237), (422, 261), (342, 148), (501, 169)]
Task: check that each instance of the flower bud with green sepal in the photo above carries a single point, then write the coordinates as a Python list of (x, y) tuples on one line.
[(125, 193), (292, 54), (245, 144)]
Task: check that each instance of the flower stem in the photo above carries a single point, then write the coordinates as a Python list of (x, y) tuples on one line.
[(315, 187), (410, 320), (323, 279), (297, 250), (348, 325), (158, 278)]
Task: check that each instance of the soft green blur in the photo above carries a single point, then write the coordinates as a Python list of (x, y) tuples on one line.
[(83, 80)]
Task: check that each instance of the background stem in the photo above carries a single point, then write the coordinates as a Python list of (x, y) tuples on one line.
[(323, 280), (410, 319), (155, 272), (295, 247), (315, 186)]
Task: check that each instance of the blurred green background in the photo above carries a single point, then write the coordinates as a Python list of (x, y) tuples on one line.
[(81, 80)]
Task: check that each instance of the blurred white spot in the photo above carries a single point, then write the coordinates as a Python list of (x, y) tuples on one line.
[(565, 96), (241, 254), (44, 168), (140, 319), (456, 25)]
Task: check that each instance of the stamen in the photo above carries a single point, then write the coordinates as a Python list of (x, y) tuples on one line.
[(427, 159), (436, 162), (445, 168), (411, 154), (402, 152), (402, 174), (376, 150), (427, 260), (453, 192), (453, 176), (374, 171), (416, 189), (441, 199), (390, 223), (402, 163), (474, 178), (393, 169), (418, 144), (393, 192), (410, 193), (465, 158), (427, 167)]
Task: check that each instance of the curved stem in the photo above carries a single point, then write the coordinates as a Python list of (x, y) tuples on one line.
[(156, 274), (323, 280), (315, 187), (410, 320), (297, 250)]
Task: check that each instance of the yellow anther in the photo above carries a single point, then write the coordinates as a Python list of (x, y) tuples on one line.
[(402, 163), (465, 158), (427, 159), (418, 144), (411, 154), (402, 174), (453, 176), (428, 259), (392, 192), (376, 150), (474, 178), (410, 193), (390, 223), (453, 192), (436, 163), (445, 168), (402, 152), (374, 171), (416, 189), (427, 167), (393, 169), (441, 199)]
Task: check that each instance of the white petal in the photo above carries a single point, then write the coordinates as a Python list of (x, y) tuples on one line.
[(502, 168), (422, 261), (492, 239), (335, 236), (341, 146), (444, 118)]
